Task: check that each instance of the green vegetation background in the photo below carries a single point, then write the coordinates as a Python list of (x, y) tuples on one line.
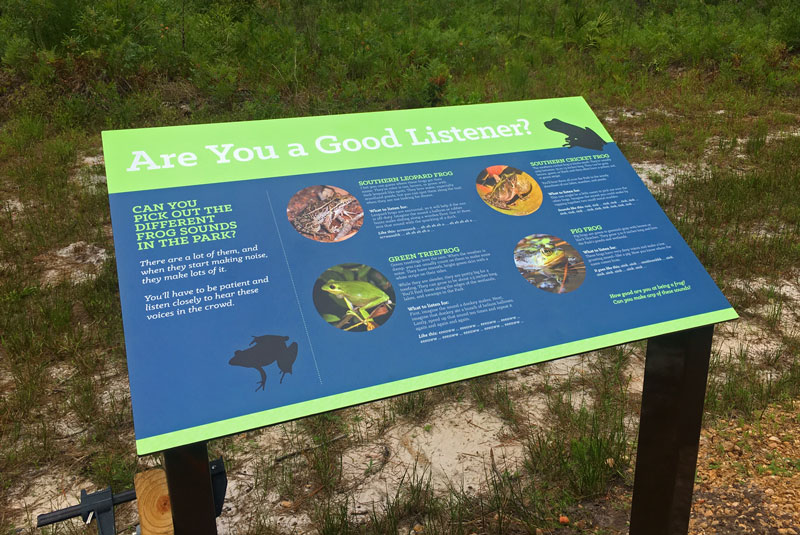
[(687, 83), (82, 65)]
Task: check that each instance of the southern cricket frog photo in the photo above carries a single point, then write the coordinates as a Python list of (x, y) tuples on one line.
[(509, 190)]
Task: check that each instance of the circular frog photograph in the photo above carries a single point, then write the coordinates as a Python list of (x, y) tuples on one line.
[(325, 213), (509, 190), (354, 297), (549, 263)]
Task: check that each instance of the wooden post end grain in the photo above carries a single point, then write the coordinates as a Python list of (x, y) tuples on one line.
[(152, 499)]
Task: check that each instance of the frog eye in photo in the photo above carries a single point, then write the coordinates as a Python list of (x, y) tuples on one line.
[(331, 286), (360, 298)]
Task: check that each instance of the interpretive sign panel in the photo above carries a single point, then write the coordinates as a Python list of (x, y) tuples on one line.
[(270, 270)]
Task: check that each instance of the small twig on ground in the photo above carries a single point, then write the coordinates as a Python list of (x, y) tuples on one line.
[(476, 425), (307, 497)]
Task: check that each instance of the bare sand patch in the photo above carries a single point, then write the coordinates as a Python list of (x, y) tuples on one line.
[(75, 263)]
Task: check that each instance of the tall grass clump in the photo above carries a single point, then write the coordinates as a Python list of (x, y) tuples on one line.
[(740, 386), (744, 223), (586, 448)]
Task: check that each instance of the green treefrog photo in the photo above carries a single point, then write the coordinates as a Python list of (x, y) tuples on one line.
[(361, 299)]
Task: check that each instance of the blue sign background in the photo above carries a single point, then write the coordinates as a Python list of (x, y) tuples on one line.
[(179, 371)]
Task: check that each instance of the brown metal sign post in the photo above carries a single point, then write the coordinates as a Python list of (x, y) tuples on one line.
[(190, 491), (676, 370)]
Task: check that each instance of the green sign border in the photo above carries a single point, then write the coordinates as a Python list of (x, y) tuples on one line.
[(290, 412)]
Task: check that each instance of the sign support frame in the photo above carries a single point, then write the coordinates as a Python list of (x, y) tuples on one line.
[(191, 493), (673, 394)]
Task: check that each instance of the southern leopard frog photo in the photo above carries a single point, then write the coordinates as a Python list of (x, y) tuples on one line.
[(325, 213)]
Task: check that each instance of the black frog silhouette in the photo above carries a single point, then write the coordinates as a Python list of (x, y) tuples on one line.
[(576, 136), (265, 350)]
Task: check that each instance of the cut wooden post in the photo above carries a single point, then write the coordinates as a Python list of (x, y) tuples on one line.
[(152, 500)]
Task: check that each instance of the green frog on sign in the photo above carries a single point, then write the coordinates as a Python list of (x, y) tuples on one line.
[(548, 255), (354, 297), (549, 263), (360, 297)]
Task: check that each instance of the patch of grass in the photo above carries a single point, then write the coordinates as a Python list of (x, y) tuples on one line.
[(504, 403), (415, 405), (325, 462), (757, 140), (285, 479), (587, 446), (779, 466), (480, 388), (661, 138), (113, 469), (774, 308), (258, 524), (609, 376), (332, 518), (512, 504), (739, 386), (412, 502), (585, 451), (324, 427), (743, 223)]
